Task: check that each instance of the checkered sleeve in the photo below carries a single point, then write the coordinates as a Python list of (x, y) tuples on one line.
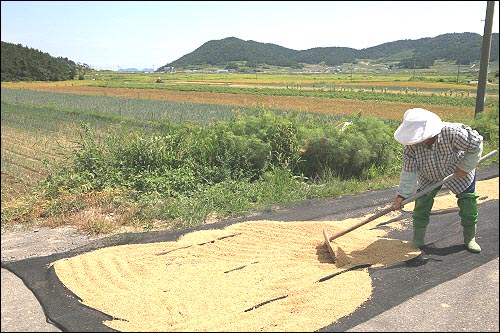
[(409, 159)]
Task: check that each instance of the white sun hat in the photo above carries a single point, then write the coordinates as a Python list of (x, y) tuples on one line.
[(418, 125)]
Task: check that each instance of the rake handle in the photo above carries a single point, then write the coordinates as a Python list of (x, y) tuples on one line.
[(404, 202)]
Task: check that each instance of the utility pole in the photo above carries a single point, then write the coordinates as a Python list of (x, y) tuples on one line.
[(485, 58), (414, 65)]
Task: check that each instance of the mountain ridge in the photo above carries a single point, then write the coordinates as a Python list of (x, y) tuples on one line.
[(23, 63), (232, 52)]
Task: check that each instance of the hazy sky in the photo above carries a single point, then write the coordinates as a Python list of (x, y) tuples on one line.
[(147, 34)]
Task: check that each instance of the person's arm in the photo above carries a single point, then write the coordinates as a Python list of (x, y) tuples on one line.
[(471, 142), (408, 176), (471, 159), (407, 186)]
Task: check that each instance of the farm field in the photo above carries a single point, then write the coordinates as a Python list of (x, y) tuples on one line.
[(398, 82), (42, 121), (382, 107), (383, 110)]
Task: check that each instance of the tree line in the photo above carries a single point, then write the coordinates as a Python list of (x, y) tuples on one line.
[(23, 63)]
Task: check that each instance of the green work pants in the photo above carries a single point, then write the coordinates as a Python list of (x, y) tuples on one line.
[(423, 207), (467, 203)]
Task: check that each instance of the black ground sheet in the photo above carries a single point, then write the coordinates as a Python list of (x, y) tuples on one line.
[(443, 258)]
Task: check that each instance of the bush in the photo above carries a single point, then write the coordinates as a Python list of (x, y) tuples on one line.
[(351, 151)]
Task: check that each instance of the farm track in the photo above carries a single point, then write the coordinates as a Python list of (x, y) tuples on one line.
[(382, 110)]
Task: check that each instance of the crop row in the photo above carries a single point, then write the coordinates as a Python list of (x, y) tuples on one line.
[(120, 107)]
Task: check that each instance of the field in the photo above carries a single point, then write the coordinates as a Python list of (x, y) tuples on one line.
[(42, 121)]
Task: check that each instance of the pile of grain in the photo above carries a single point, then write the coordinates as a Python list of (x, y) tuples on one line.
[(251, 276)]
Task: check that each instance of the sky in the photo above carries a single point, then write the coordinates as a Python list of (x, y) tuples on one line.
[(150, 34)]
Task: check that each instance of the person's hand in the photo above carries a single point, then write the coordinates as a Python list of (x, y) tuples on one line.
[(460, 173), (397, 203)]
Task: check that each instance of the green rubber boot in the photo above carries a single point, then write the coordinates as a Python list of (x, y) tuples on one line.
[(418, 237), (470, 239), (467, 202)]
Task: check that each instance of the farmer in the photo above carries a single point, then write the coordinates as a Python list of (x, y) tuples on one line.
[(432, 150)]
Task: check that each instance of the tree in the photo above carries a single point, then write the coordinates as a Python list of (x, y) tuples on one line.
[(82, 69)]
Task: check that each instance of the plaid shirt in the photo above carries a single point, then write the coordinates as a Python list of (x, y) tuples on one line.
[(457, 145)]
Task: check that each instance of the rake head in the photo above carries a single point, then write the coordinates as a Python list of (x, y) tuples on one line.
[(329, 245)]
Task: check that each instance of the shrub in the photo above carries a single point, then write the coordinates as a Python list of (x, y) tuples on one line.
[(486, 123), (364, 145)]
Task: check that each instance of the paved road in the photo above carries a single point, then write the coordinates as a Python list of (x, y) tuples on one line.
[(21, 311), (468, 303)]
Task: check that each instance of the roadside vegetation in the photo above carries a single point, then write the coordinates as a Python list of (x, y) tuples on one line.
[(111, 164)]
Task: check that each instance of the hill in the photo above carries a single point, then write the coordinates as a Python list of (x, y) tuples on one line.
[(233, 53)]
